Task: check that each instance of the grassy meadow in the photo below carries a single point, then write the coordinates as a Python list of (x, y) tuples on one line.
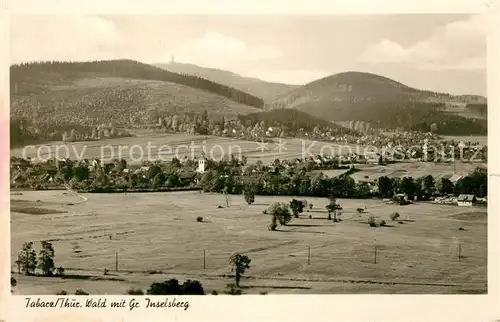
[(157, 237)]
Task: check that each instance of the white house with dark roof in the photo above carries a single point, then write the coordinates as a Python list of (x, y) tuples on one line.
[(466, 200)]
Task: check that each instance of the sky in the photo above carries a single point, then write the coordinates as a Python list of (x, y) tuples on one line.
[(438, 52)]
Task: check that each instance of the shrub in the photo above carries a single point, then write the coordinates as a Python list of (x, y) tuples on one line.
[(13, 282), (60, 271), (106, 271), (81, 292), (62, 293), (310, 216), (394, 216), (135, 291), (249, 196), (360, 210), (371, 220), (382, 223), (199, 219), (263, 293), (233, 290), (170, 287), (214, 292), (400, 222), (461, 228), (192, 287)]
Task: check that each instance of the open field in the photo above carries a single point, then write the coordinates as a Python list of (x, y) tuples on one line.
[(163, 146), (159, 232), (413, 169)]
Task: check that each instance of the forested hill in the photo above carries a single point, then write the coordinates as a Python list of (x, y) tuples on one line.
[(385, 103), (33, 77)]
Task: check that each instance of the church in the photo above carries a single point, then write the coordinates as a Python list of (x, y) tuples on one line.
[(201, 163)]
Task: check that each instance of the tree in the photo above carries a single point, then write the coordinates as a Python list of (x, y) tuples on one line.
[(27, 258), (332, 207), (46, 259), (297, 207), (445, 186), (249, 195), (385, 187), (279, 213), (408, 187), (429, 186), (241, 263)]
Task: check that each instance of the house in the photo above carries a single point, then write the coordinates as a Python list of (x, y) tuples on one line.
[(466, 200)]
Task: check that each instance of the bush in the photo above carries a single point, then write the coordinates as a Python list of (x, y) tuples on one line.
[(400, 222), (60, 271), (233, 290), (170, 287), (13, 282), (263, 293), (382, 223), (192, 287), (81, 292), (135, 291), (214, 292), (394, 216), (199, 219), (106, 271), (62, 293), (360, 210), (371, 220)]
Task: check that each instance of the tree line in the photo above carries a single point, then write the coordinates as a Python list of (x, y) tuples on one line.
[(234, 176)]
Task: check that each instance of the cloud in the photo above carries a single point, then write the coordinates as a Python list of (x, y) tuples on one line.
[(220, 51), (459, 45), (48, 37)]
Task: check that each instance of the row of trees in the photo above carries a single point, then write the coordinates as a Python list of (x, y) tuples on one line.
[(27, 261), (233, 177)]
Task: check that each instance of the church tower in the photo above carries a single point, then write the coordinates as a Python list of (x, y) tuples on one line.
[(201, 163), (172, 60)]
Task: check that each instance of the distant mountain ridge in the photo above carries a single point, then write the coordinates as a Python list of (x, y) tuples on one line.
[(268, 91), (353, 96), (130, 93)]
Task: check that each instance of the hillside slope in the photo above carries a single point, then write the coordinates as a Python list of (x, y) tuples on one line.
[(266, 90), (381, 101), (123, 92)]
